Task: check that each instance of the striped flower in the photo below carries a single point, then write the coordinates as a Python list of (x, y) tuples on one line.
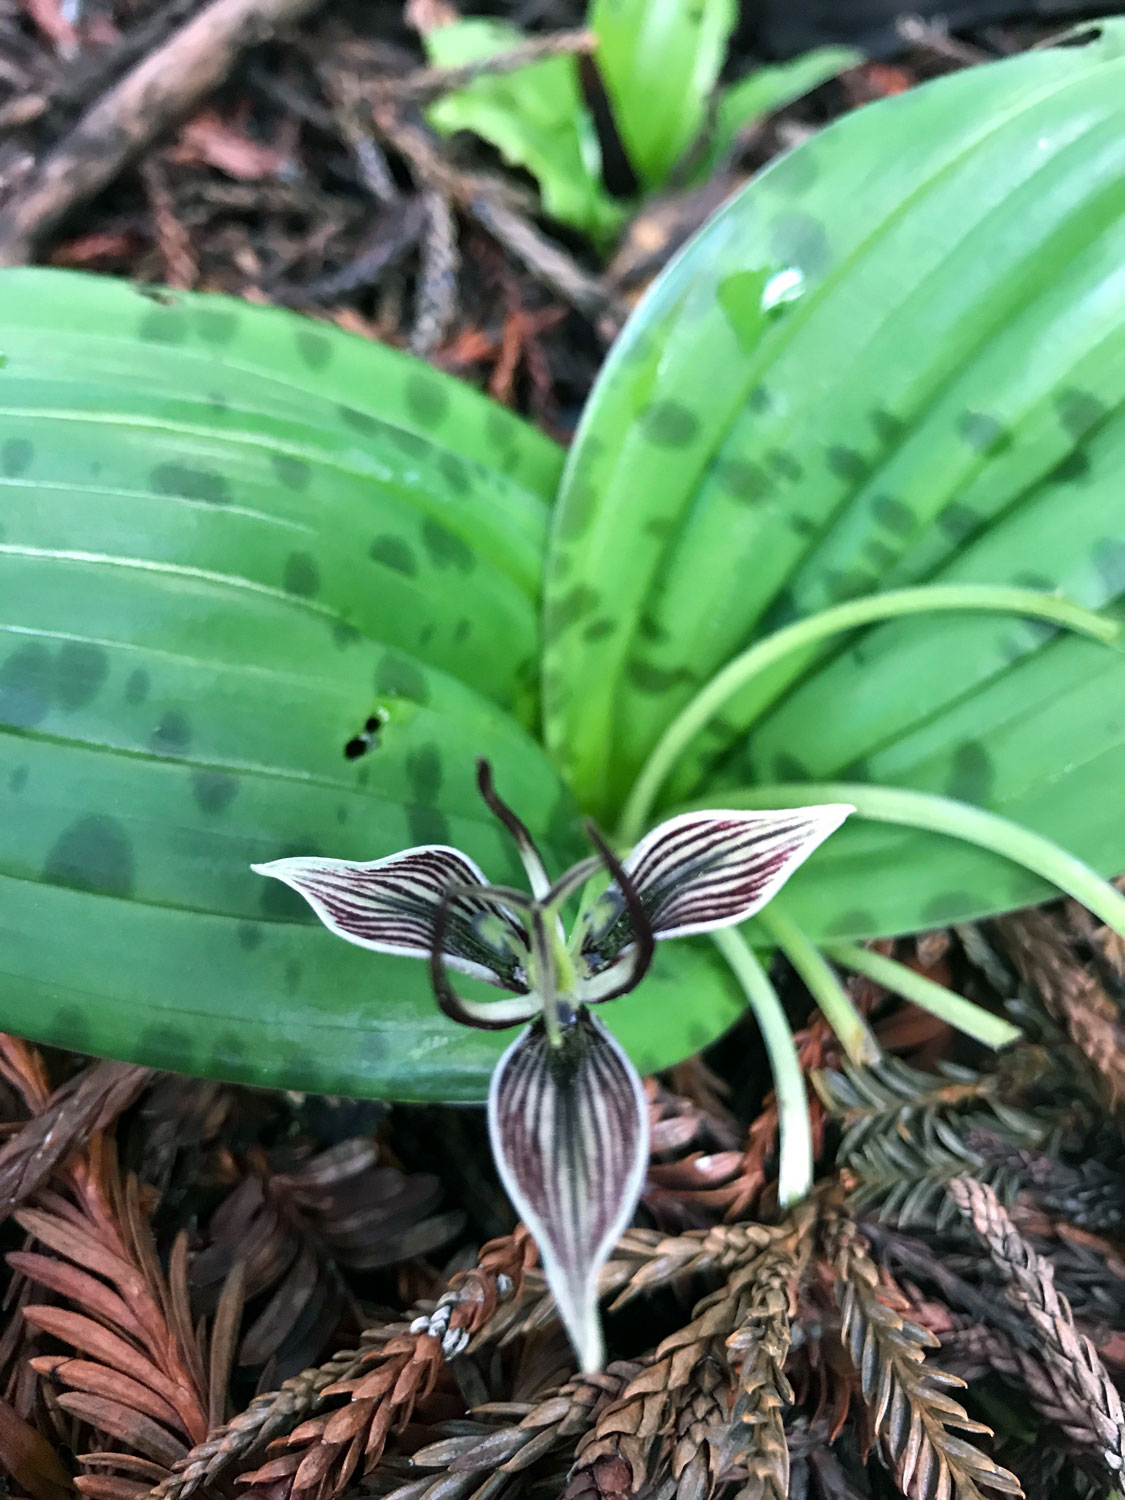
[(566, 1110)]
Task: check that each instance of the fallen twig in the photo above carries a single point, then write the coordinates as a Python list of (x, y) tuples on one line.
[(431, 83), (162, 89)]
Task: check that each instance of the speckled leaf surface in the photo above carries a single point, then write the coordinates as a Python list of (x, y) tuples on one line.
[(940, 400), (228, 537)]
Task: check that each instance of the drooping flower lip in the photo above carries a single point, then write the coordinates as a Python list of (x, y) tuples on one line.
[(569, 1131)]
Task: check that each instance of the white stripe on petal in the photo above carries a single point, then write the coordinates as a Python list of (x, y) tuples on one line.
[(569, 1130), (390, 905)]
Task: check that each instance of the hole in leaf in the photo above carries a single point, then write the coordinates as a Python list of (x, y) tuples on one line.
[(367, 739)]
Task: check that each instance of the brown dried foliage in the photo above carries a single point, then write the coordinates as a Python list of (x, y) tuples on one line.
[(760, 1348), (707, 1404), (144, 1375), (1041, 946), (62, 1121), (911, 1410), (1068, 1354), (321, 1456), (294, 1229), (543, 1439)]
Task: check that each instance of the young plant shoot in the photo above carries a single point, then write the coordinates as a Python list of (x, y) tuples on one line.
[(566, 1111)]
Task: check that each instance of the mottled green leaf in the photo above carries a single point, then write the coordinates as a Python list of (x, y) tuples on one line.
[(535, 118), (229, 539), (659, 60), (875, 367)]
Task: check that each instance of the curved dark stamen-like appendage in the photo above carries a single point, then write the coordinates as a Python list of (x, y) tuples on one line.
[(497, 806), (449, 1001), (644, 944)]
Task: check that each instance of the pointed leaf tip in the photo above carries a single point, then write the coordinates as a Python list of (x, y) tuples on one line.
[(390, 905), (569, 1129)]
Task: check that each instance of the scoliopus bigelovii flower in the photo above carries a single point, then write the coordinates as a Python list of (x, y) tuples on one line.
[(566, 1111)]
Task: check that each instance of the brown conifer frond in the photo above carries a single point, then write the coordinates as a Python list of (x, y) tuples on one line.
[(759, 1349), (62, 1122), (29, 1458), (977, 1349), (911, 1409), (1069, 1355), (1040, 948), (295, 1227), (542, 1441), (382, 1383), (672, 1422), (644, 1259), (141, 1376), (267, 1415)]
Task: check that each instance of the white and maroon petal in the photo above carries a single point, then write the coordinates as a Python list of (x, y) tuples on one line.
[(569, 1130), (390, 905), (704, 870)]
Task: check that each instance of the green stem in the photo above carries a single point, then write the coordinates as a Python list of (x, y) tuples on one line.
[(960, 820), (825, 988), (872, 607), (972, 1019), (795, 1158)]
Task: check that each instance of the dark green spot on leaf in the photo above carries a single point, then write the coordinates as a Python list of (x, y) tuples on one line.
[(95, 855), (669, 424), (213, 790), (82, 669), (204, 485), (15, 457), (427, 399), (984, 433), (394, 552), (302, 576), (446, 550), (172, 735)]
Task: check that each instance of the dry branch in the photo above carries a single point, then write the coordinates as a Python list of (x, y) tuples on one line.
[(159, 92), (911, 1409), (382, 1383), (1070, 1356)]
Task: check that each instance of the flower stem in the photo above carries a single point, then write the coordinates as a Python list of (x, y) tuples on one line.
[(803, 633), (960, 820), (972, 1019), (833, 999), (795, 1159)]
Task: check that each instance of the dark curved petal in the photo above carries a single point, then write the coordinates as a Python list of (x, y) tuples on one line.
[(704, 870), (569, 1129), (391, 905)]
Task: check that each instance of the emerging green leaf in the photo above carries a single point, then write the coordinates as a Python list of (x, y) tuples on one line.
[(659, 60), (535, 118)]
